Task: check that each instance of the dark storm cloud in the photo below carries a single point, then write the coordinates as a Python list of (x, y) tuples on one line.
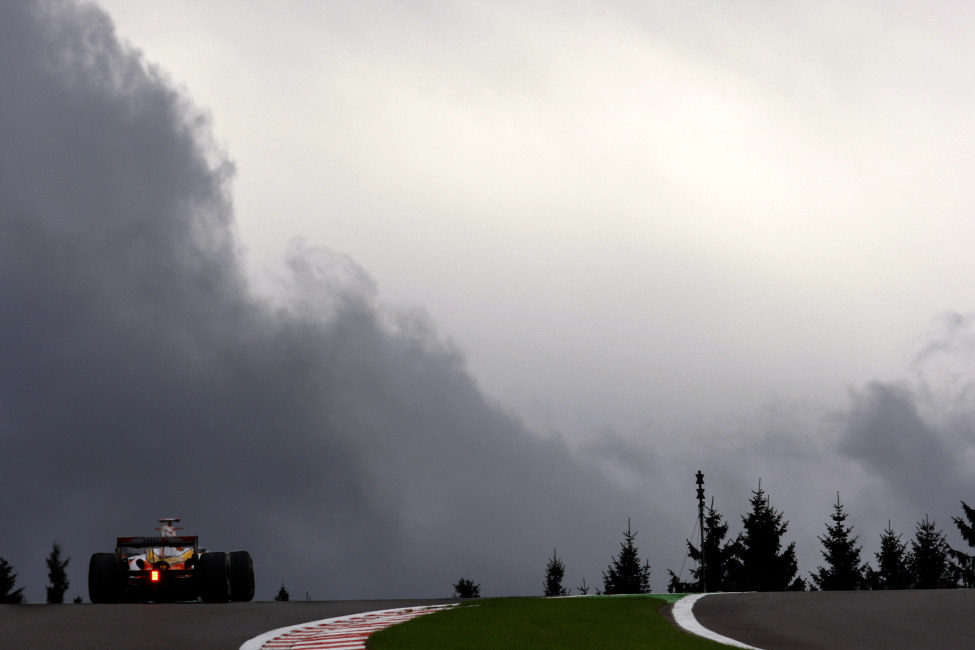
[(918, 437), (342, 442), (886, 434)]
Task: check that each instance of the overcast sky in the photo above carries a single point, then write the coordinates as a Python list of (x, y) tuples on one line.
[(594, 247), (619, 211)]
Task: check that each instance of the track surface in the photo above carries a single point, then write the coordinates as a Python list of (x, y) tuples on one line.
[(846, 619), (865, 619), (166, 626)]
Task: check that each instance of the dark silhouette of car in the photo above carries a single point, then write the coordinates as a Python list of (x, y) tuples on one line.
[(169, 567)]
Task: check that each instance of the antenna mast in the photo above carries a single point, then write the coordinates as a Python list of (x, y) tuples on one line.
[(700, 514)]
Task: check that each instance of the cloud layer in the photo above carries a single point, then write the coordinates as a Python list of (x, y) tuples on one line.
[(342, 442), (339, 439)]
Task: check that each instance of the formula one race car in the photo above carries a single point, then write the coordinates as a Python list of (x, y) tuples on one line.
[(169, 567)]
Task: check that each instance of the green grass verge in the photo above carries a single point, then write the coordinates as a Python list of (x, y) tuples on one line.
[(540, 624)]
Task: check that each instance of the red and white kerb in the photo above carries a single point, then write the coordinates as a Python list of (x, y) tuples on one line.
[(346, 632)]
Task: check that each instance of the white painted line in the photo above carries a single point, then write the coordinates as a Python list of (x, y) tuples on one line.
[(258, 642), (684, 615)]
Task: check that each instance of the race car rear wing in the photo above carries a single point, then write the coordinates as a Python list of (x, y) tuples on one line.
[(152, 542)]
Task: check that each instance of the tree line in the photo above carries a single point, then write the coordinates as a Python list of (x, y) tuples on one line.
[(759, 559), (56, 574)]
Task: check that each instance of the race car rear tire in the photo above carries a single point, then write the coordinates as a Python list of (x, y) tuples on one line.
[(103, 578), (241, 576), (214, 571)]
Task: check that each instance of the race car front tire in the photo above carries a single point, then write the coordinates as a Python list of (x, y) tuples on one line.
[(215, 574), (103, 578), (241, 576)]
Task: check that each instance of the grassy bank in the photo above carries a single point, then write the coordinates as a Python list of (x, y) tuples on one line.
[(541, 624)]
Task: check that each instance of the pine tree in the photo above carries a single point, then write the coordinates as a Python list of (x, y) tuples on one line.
[(966, 562), (554, 572), (718, 556), (760, 563), (282, 594), (57, 575), (892, 563), (625, 575), (583, 588), (677, 586), (9, 596), (930, 562), (843, 570), (466, 588)]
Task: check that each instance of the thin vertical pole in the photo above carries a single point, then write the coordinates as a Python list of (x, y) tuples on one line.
[(700, 514)]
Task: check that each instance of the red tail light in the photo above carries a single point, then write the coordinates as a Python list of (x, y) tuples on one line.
[(154, 576)]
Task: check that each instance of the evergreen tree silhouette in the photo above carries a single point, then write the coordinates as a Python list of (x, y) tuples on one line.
[(677, 586), (57, 575), (282, 594), (625, 575), (8, 595), (892, 563), (843, 570), (554, 572), (930, 563), (760, 563), (966, 562), (719, 557), (583, 588), (465, 588)]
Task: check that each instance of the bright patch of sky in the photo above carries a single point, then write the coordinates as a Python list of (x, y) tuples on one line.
[(643, 217)]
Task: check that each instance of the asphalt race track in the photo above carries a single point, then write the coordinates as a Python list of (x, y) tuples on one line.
[(844, 619), (169, 626), (864, 619)]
